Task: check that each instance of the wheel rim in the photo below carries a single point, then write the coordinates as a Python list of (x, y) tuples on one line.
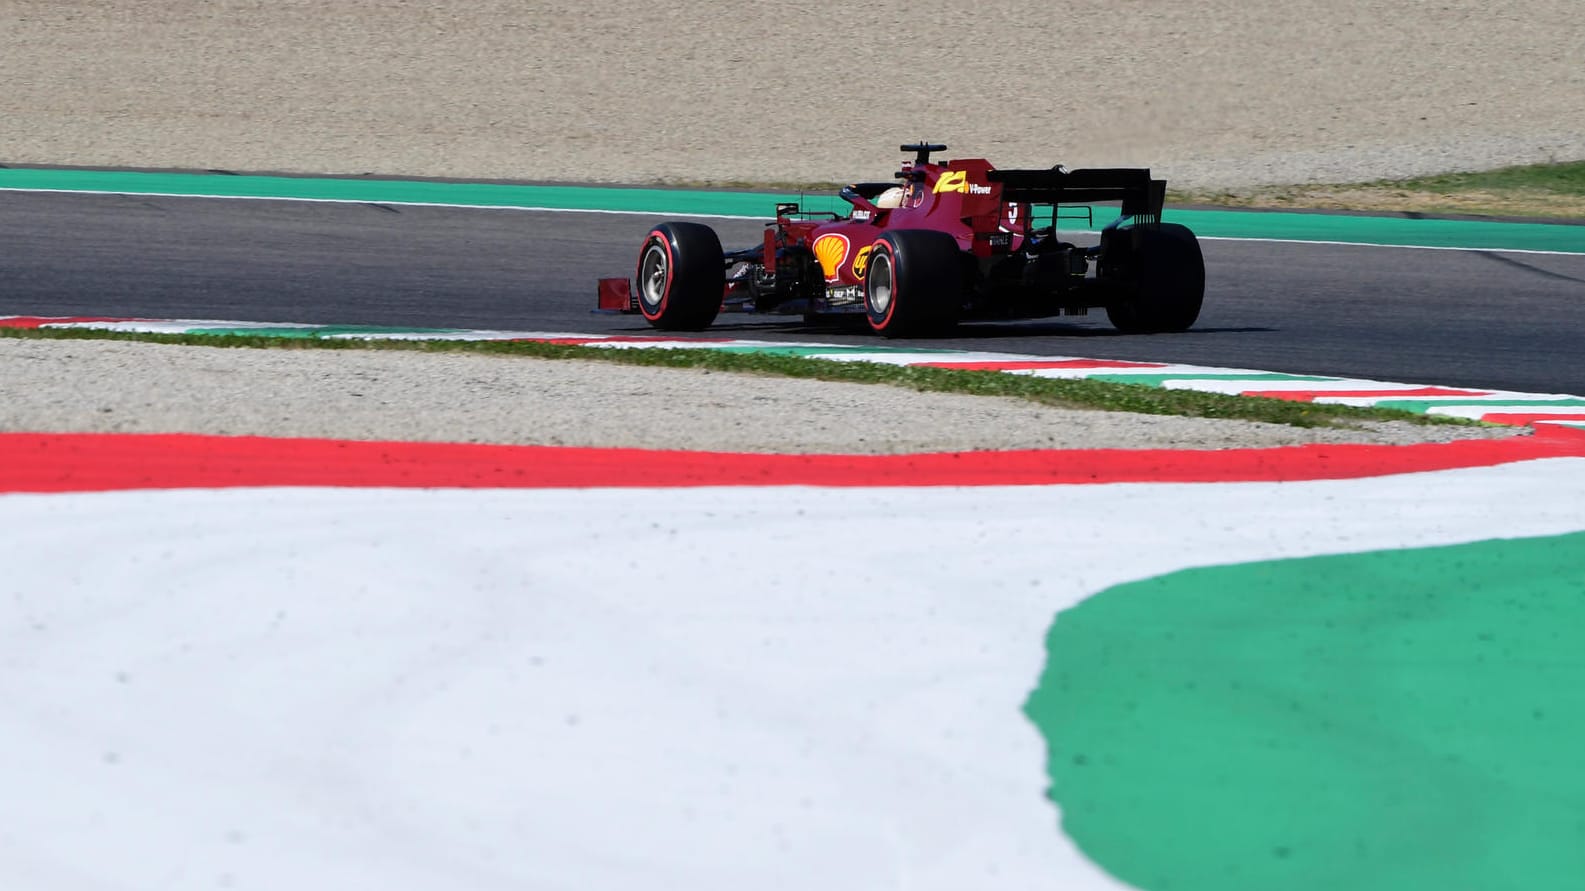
[(880, 284), (652, 274)]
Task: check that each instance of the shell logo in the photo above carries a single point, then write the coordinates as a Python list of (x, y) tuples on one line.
[(831, 250)]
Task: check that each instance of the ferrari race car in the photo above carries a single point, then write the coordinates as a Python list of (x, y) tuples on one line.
[(947, 242)]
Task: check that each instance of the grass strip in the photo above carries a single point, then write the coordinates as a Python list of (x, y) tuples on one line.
[(1530, 190), (1561, 179), (1054, 392)]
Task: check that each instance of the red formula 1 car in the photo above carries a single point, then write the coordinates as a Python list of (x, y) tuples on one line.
[(948, 242)]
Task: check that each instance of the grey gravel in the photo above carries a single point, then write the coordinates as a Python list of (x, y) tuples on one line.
[(129, 387), (1212, 93), (1208, 93)]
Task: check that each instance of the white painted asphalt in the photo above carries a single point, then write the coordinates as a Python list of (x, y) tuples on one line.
[(707, 688)]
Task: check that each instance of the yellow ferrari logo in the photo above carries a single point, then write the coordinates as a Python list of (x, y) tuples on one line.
[(958, 181), (953, 181), (861, 260)]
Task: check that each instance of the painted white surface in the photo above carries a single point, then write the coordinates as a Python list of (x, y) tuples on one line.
[(1379, 389), (700, 689), (1469, 406), (1186, 372)]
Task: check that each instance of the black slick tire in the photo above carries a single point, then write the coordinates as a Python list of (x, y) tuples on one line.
[(681, 277), (1158, 282), (914, 283)]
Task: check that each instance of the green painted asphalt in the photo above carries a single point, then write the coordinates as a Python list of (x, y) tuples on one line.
[(1280, 226), (389, 191), (1422, 406), (1390, 720), (1156, 380)]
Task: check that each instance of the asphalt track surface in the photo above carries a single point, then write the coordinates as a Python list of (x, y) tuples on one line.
[(1503, 320)]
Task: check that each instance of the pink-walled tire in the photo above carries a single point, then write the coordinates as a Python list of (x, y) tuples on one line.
[(914, 283), (681, 277)]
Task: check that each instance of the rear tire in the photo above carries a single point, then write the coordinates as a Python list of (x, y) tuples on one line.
[(1159, 284), (914, 283), (681, 277)]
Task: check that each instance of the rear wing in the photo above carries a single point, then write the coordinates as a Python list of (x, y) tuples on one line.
[(1142, 197)]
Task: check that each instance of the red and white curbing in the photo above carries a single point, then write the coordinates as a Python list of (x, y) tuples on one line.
[(1491, 406)]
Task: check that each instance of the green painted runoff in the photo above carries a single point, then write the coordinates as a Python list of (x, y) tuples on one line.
[(1283, 226), (1386, 720)]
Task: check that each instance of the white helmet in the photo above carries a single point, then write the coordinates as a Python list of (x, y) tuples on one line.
[(892, 197)]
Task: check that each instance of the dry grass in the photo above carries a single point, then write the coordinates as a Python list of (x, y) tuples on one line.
[(1548, 191)]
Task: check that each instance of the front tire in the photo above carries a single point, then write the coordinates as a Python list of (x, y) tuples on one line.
[(914, 283), (681, 277), (1159, 282)]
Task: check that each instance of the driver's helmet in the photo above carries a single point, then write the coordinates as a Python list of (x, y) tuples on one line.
[(892, 197)]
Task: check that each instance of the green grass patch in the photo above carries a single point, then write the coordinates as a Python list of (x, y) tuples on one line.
[(1557, 179), (1057, 393), (1547, 191)]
